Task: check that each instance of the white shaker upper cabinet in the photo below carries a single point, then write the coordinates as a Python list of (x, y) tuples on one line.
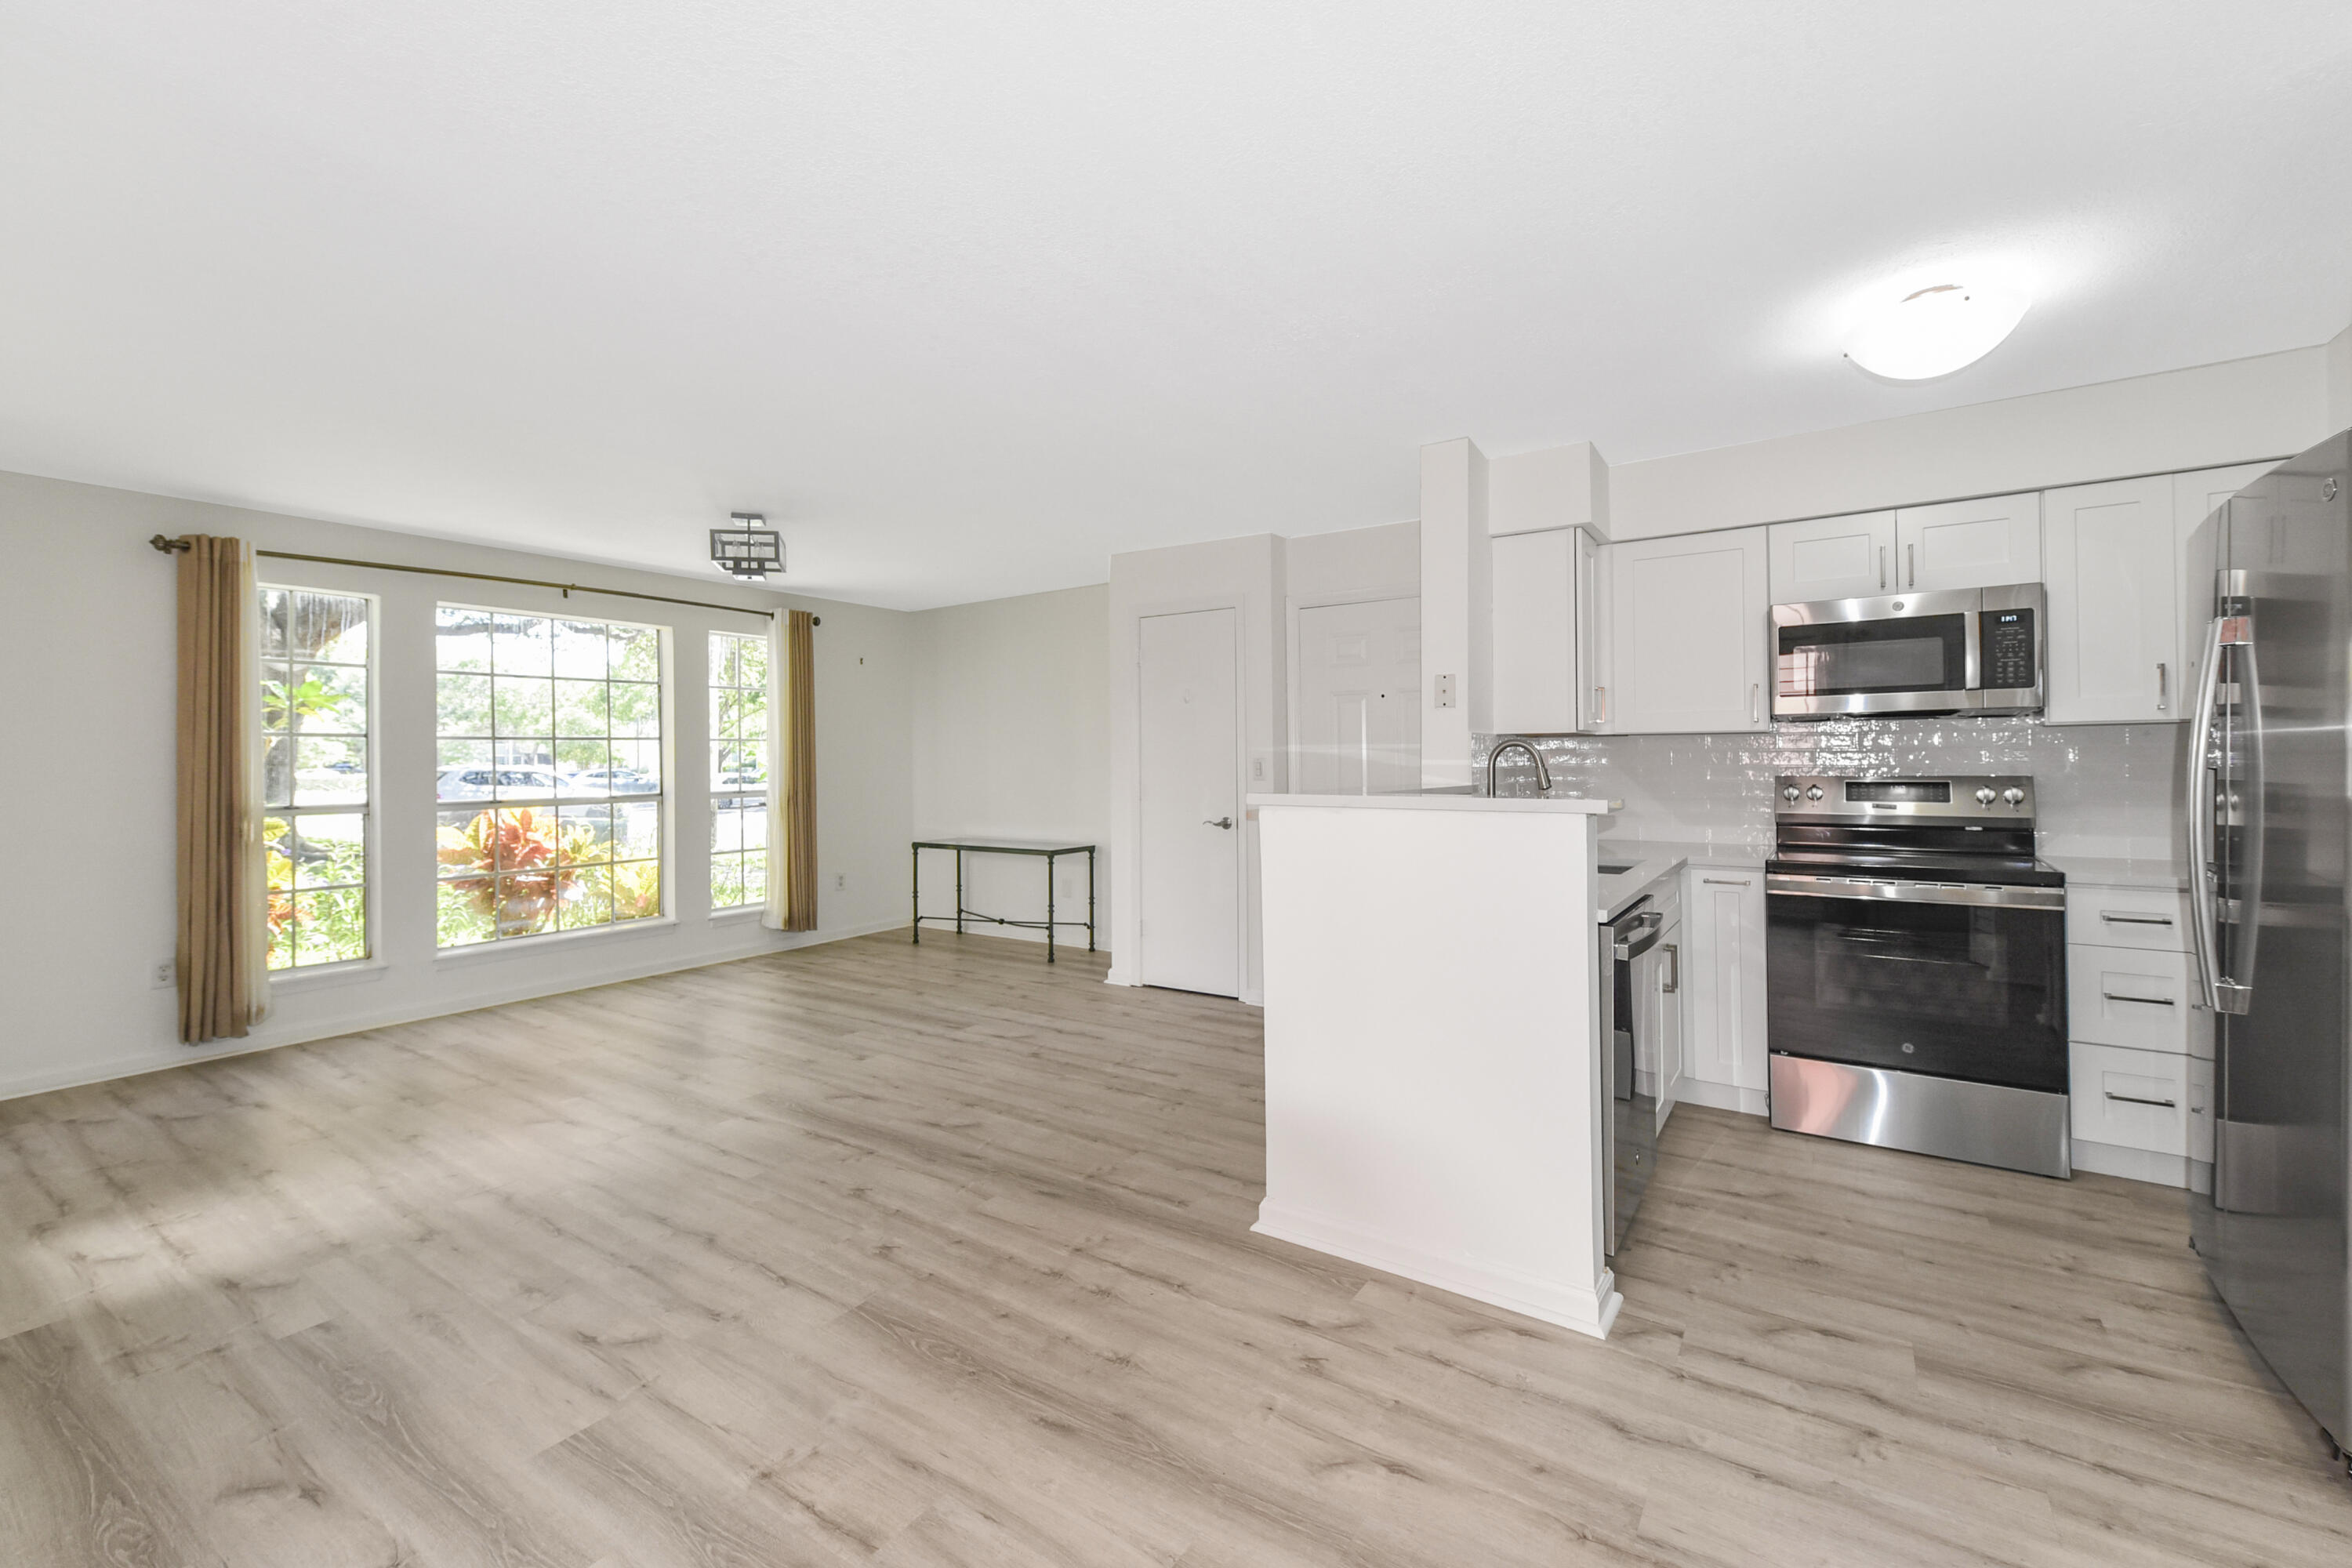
[(1968, 544), (2195, 496), (1539, 633), (1834, 558), (1687, 624), (2112, 569)]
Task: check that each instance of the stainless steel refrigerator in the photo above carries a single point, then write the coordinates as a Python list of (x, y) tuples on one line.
[(2269, 802)]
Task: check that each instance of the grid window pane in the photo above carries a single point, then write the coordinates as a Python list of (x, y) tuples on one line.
[(462, 639), (462, 704), (315, 712), (522, 706), (568, 777), (580, 710), (584, 833), (331, 769), (332, 699), (580, 650), (521, 645)]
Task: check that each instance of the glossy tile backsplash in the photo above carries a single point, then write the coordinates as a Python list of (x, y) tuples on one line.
[(2101, 789)]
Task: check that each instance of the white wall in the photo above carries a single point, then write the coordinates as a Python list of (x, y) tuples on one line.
[(87, 640), (2208, 416), (1458, 601), (1011, 719), (2339, 380), (1247, 575)]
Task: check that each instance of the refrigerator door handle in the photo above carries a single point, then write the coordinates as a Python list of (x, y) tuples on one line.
[(2201, 912), (2246, 812)]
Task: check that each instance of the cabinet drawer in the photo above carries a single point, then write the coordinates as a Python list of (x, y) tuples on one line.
[(2152, 918), (2137, 1100), (2124, 996)]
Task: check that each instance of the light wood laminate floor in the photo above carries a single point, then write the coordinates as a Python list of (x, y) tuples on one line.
[(878, 1255)]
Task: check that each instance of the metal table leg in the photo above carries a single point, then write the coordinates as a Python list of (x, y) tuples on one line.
[(917, 854), (1049, 909), (1090, 900), (959, 892)]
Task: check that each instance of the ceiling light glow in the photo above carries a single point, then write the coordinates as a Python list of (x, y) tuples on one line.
[(1935, 330)]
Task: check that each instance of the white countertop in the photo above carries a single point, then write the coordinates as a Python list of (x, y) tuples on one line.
[(1743, 856), (1553, 806), (2109, 872)]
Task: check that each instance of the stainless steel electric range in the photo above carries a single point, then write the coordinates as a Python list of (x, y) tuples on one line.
[(1918, 970)]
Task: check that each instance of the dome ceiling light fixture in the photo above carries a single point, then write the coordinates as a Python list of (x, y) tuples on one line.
[(1935, 330), (749, 549)]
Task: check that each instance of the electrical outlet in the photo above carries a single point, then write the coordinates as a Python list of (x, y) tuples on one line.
[(1444, 692), (166, 974), (840, 881), (1257, 769)]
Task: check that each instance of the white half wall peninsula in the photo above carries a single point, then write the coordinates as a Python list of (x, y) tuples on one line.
[(1433, 1079)]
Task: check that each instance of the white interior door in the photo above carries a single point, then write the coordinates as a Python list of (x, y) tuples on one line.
[(1190, 861), (1360, 698)]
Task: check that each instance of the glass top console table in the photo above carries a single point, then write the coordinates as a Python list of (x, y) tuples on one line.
[(1047, 849)]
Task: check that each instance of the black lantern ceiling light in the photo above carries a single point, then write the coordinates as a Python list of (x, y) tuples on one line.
[(749, 549)]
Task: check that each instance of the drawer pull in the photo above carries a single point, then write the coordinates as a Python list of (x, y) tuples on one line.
[(1725, 881), (2135, 1099), (2135, 919), (2150, 1001)]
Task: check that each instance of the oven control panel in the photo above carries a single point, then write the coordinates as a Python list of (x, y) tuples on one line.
[(1973, 797), (2007, 641)]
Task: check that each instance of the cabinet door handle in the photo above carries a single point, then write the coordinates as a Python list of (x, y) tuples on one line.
[(1882, 568), (1755, 702), (1600, 700), (2135, 1099), (1672, 980), (2163, 688), (1911, 560), (2113, 919), (1725, 881), (2149, 1001)]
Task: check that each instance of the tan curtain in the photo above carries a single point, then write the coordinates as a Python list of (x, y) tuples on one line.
[(791, 774), (224, 952)]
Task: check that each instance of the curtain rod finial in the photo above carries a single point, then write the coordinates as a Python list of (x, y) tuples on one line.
[(169, 546)]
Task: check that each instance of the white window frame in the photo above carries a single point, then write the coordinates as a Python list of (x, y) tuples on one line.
[(664, 800), (764, 792), (371, 824)]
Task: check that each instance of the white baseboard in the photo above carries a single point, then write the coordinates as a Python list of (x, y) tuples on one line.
[(267, 1038), (1724, 1096), (2144, 1165), (1587, 1310), (1119, 976)]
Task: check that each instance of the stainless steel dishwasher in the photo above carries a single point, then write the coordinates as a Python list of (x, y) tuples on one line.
[(1630, 1127)]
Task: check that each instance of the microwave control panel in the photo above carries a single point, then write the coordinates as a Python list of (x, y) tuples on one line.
[(2007, 645)]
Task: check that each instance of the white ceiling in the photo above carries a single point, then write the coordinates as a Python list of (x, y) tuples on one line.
[(972, 297)]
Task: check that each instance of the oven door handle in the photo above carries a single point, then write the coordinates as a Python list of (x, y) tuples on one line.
[(1903, 892)]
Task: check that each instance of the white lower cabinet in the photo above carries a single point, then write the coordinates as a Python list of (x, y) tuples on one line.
[(1723, 986), (2132, 997), (2131, 1099), (2141, 1052)]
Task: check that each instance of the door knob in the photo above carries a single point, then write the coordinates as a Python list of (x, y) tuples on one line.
[(1220, 822)]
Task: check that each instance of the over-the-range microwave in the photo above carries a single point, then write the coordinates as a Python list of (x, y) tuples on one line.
[(1963, 651)]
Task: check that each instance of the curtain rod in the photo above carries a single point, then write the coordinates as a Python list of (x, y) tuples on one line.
[(169, 546)]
